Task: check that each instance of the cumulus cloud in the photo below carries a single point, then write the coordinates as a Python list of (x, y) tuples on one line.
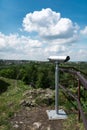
[(80, 55), (15, 46), (49, 25), (84, 31), (55, 49), (54, 35), (14, 40), (40, 20)]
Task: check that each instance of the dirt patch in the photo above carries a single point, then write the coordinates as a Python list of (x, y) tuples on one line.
[(32, 115), (34, 119)]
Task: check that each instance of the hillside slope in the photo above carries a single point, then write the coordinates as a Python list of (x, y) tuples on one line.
[(24, 108)]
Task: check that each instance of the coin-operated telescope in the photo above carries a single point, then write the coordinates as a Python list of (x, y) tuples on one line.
[(57, 114), (59, 59)]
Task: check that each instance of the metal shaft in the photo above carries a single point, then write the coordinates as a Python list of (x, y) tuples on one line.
[(78, 98), (56, 88)]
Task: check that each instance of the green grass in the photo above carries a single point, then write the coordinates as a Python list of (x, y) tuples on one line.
[(72, 123), (70, 106), (9, 100), (11, 97)]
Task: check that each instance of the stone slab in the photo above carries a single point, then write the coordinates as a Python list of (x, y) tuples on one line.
[(52, 115)]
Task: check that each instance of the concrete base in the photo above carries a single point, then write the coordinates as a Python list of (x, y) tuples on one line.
[(53, 116)]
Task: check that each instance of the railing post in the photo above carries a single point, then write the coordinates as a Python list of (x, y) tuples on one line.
[(78, 99)]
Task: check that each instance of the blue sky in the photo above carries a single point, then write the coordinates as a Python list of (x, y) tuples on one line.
[(36, 29)]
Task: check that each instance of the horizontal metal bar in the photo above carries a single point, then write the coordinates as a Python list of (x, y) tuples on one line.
[(82, 79), (79, 105), (67, 91), (78, 74)]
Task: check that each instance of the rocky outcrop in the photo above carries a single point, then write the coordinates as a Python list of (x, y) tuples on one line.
[(35, 97)]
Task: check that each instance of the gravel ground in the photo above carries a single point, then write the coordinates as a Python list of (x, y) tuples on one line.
[(34, 118)]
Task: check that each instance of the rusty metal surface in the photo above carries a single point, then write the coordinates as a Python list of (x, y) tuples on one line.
[(82, 79), (75, 69), (79, 105)]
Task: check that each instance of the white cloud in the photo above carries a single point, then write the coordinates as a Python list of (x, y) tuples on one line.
[(14, 46), (49, 25), (55, 36), (55, 49), (39, 20), (84, 31), (22, 47), (14, 40)]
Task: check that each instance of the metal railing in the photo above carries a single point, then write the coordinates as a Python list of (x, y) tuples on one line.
[(78, 74), (81, 80)]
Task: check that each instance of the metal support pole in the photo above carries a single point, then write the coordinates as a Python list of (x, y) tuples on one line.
[(56, 88), (78, 98)]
